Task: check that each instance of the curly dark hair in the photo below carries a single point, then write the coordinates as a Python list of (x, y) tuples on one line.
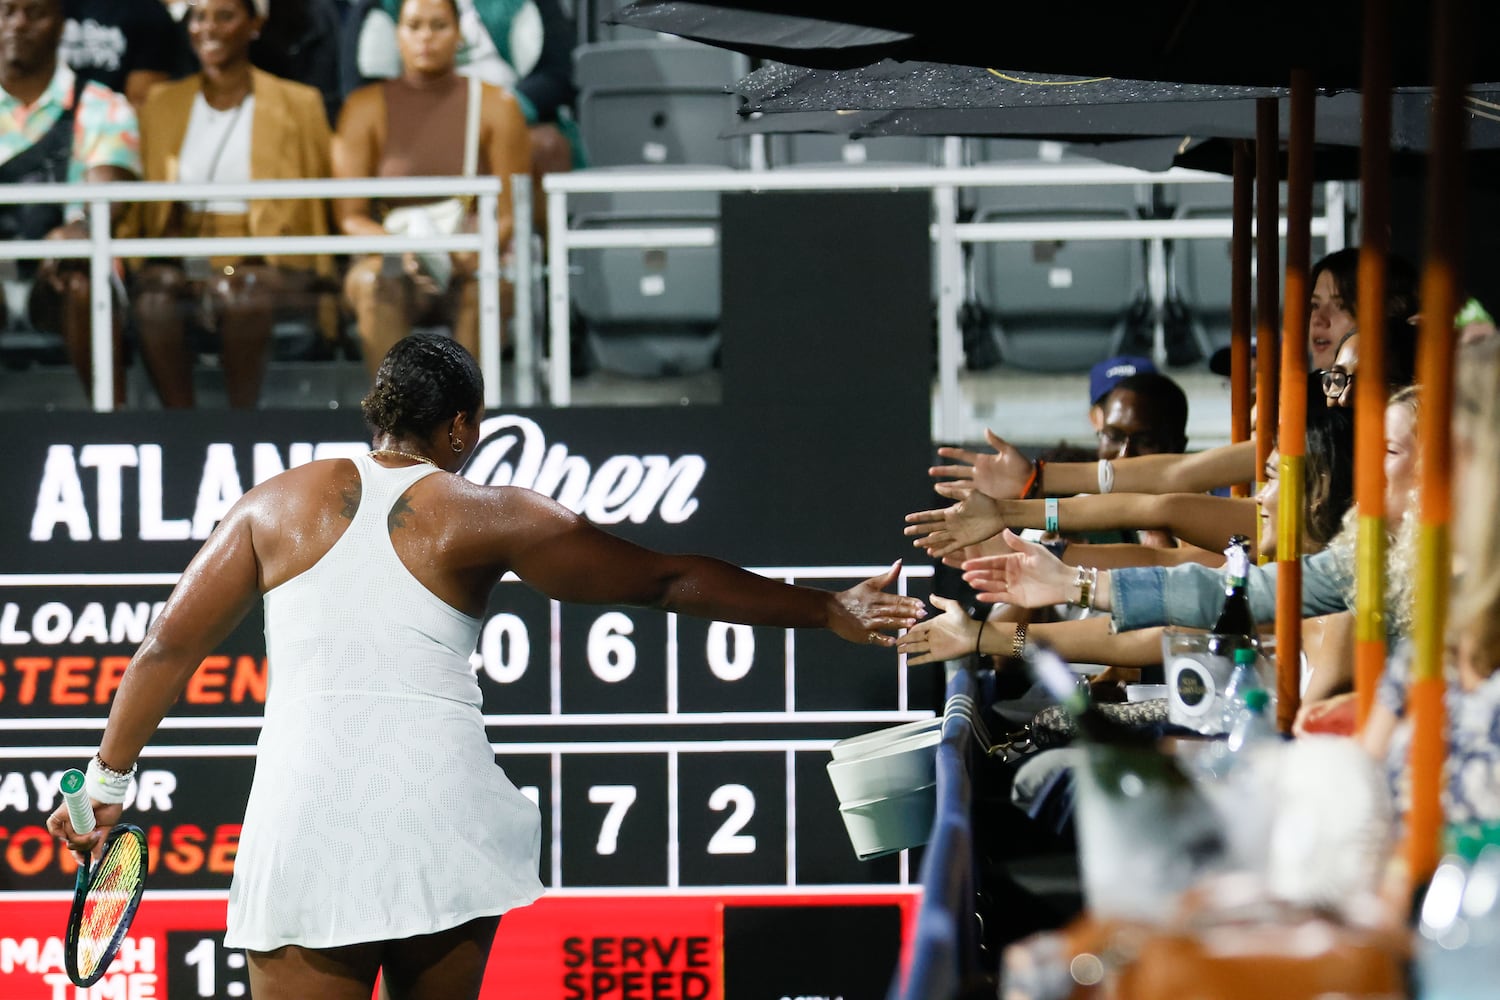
[(425, 379)]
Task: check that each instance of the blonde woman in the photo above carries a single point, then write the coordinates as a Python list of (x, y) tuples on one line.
[(1472, 769)]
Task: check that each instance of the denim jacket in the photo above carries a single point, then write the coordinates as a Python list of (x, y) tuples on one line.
[(1192, 595)]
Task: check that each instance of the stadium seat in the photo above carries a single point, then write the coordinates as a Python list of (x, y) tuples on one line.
[(819, 149), (654, 103), (1059, 305), (648, 311)]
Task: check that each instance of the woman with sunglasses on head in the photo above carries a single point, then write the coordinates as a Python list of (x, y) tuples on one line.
[(1400, 363)]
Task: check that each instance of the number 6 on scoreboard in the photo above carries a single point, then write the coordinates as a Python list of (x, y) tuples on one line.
[(620, 798)]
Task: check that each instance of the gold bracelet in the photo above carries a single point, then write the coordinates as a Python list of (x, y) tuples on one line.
[(1018, 641), (1085, 588)]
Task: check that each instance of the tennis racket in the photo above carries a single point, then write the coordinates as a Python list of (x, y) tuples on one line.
[(107, 893)]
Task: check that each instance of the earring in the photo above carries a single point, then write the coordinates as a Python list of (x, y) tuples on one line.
[(457, 446)]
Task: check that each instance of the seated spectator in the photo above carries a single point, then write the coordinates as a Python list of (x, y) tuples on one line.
[(127, 45), (526, 48), (1400, 362), (1103, 378), (414, 126), (1471, 783), (1335, 300), (230, 123), (300, 41), (57, 128)]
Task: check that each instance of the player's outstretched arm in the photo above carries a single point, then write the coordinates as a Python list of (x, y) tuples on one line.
[(568, 559)]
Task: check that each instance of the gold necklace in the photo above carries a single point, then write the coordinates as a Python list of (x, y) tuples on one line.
[(393, 453)]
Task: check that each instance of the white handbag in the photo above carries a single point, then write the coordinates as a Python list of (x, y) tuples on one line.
[(446, 217)]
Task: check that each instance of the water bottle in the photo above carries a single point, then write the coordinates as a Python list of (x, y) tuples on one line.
[(1243, 677), (1254, 724)]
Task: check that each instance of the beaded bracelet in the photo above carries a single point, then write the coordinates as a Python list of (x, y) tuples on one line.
[(104, 783)]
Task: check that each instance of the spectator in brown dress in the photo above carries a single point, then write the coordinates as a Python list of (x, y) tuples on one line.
[(413, 126)]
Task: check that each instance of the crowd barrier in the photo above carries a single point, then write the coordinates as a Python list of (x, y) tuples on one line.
[(948, 234), (945, 947)]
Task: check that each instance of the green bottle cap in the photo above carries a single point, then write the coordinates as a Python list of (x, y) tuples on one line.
[(1245, 654), (1256, 699)]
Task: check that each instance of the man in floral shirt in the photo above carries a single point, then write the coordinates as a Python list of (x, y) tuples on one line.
[(55, 129)]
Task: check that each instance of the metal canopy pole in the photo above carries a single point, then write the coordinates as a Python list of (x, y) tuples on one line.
[(1267, 259), (1240, 322), (1435, 344), (1291, 435), (1370, 387)]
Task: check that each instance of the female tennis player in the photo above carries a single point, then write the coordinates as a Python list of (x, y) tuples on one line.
[(379, 831)]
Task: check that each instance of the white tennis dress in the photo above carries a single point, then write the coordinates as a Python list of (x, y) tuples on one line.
[(377, 810)]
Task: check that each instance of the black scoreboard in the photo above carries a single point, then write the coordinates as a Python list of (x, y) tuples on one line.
[(678, 763)]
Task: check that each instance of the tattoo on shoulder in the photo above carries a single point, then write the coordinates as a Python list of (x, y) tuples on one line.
[(397, 517), (350, 496)]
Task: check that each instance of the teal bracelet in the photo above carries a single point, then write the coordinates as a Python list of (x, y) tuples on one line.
[(1050, 505)]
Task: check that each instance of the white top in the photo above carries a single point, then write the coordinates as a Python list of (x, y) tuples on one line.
[(216, 150), (377, 810)]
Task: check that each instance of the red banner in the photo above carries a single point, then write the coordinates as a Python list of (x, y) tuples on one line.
[(563, 947)]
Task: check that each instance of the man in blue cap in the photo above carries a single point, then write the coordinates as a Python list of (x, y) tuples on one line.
[(1135, 409)]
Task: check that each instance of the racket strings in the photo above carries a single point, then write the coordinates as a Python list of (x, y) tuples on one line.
[(112, 887)]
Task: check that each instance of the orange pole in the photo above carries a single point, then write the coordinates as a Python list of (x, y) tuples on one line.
[(1369, 387), (1292, 426), (1440, 296), (1239, 304), (1267, 221)]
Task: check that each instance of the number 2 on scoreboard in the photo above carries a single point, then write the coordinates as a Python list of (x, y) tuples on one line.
[(726, 840)]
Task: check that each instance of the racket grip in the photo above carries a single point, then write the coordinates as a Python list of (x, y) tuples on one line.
[(80, 809)]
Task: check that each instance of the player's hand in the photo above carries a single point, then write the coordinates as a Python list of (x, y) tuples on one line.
[(1003, 475), (946, 530), (60, 825), (864, 613), (950, 636), (1030, 577)]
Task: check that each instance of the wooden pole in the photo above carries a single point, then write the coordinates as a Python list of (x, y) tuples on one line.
[(1440, 297), (1267, 267), (1240, 322), (1369, 386), (1292, 426)]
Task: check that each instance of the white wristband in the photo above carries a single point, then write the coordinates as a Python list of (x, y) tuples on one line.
[(103, 785), (1106, 475)]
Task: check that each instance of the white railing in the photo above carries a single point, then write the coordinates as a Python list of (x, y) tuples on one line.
[(101, 247), (947, 233)]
